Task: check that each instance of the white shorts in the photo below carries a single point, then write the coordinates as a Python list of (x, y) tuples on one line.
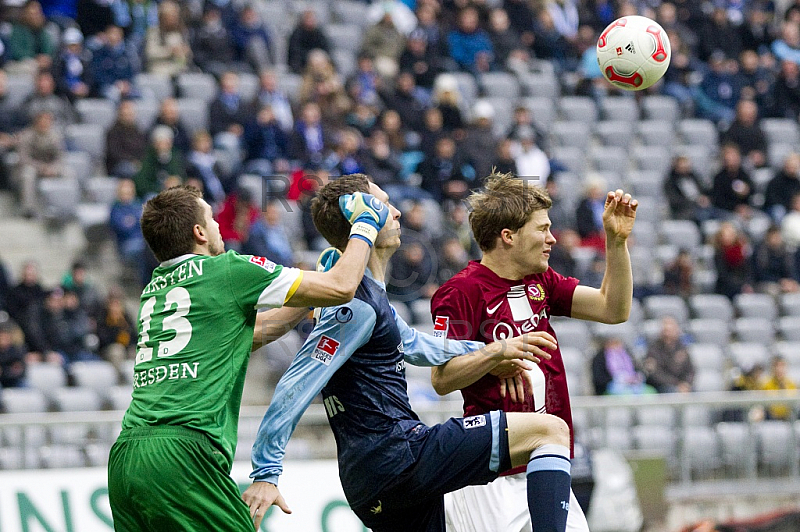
[(500, 506)]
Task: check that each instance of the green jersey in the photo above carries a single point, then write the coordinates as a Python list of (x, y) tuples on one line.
[(196, 321)]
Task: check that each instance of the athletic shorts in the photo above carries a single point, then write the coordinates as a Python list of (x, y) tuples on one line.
[(459, 452), (172, 478), (501, 506)]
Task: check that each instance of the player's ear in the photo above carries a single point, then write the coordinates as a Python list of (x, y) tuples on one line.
[(507, 236), (200, 235)]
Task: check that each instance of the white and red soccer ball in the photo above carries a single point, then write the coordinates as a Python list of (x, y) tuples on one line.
[(633, 52)]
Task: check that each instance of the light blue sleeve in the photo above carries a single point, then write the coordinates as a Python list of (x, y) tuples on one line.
[(422, 349), (338, 334)]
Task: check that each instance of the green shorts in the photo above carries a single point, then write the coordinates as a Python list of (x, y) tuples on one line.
[(172, 479)]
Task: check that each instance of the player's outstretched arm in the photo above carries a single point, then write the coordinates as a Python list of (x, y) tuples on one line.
[(367, 215), (273, 323), (462, 371), (611, 303), (259, 497)]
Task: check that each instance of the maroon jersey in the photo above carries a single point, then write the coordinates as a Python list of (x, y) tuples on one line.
[(477, 304)]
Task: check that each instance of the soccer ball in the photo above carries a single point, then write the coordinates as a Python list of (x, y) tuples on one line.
[(633, 52)]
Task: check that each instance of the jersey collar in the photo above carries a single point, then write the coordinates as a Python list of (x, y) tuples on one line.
[(172, 262)]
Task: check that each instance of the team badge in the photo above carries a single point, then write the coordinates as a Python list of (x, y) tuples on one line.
[(264, 263), (325, 350), (344, 314), (474, 422), (536, 292), (441, 324)]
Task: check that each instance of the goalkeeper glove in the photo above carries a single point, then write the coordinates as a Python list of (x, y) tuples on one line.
[(366, 213), (327, 259)]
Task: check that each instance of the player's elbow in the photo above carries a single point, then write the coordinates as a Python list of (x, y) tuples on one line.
[(440, 384)]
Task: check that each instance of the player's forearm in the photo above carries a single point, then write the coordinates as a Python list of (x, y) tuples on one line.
[(336, 286), (462, 371), (617, 286), (274, 323)]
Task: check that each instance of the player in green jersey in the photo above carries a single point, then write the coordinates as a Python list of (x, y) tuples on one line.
[(169, 470)]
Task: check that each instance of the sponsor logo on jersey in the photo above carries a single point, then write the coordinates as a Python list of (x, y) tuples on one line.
[(473, 422), (264, 263), (536, 292), (378, 508), (344, 314), (325, 350), (441, 324)]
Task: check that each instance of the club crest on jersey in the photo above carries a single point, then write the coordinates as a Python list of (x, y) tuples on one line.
[(325, 350), (536, 292), (263, 262), (473, 422), (441, 324)]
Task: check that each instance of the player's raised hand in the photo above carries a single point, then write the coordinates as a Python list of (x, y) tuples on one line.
[(259, 497), (366, 213), (619, 214)]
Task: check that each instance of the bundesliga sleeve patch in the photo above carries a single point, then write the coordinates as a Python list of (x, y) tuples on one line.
[(441, 324), (473, 422), (325, 350), (264, 263)]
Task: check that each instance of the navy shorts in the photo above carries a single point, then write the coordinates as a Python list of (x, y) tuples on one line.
[(457, 453)]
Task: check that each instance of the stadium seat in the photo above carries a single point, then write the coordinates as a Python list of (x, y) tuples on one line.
[(714, 306), (790, 351), (777, 152), (80, 164), (619, 418), (737, 446), (349, 12), (747, 354), (97, 111), (249, 85), (756, 305), (789, 304), (18, 88), (422, 311), (708, 380), (698, 131), (681, 233), (45, 377), (570, 156), (697, 416), (56, 456), (644, 234), (663, 416), (321, 9), (197, 85), (73, 400), (781, 130), (701, 450), (97, 375), (500, 85), (572, 134), (88, 138), (193, 114), (710, 331), (118, 397), (467, 86), (657, 439), (146, 112), (652, 158), (578, 109), (344, 37), (645, 183), (545, 85), (503, 113), (345, 61), (776, 447), (620, 109), (701, 156), (664, 305), (24, 400), (614, 133), (101, 189), (656, 132), (574, 334), (610, 159), (154, 87), (663, 108), (754, 329), (60, 197), (543, 112)]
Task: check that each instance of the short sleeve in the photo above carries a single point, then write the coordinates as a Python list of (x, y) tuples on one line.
[(561, 291), (453, 316), (257, 282)]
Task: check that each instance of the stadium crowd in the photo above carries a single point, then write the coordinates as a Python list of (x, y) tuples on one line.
[(424, 96)]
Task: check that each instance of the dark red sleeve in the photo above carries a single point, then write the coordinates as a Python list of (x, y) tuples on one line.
[(453, 315), (561, 291)]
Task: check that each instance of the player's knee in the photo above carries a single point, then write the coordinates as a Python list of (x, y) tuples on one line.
[(556, 431)]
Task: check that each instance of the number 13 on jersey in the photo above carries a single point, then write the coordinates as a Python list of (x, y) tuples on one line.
[(169, 317)]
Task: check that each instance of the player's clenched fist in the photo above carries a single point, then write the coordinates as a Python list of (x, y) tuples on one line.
[(529, 346), (366, 213)]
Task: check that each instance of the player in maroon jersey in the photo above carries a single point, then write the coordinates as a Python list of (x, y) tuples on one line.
[(512, 290)]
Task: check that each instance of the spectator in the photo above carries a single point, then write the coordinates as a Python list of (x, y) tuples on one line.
[(323, 86), (364, 84), (523, 20), (447, 98), (116, 331), (790, 225), (305, 37), (5, 286), (169, 115), (530, 160), (203, 165), (13, 358), (346, 156), (786, 95), (73, 67), (41, 156), (76, 281), (50, 333), (783, 187), (409, 101), (252, 39), (505, 40), (732, 261), (167, 51), (11, 121), (396, 133), (313, 180), (237, 215), (267, 236), (716, 96), (551, 45), (432, 131), (266, 143), (385, 44), (44, 99), (124, 223), (94, 16), (363, 118), (779, 380), (26, 298), (136, 17), (716, 35), (470, 46), (125, 143), (773, 265), (562, 211), (589, 214), (614, 371), (270, 94), (787, 47), (427, 22), (758, 81), (756, 32), (667, 364), (523, 123), (503, 162), (114, 65), (30, 48), (562, 256), (445, 175), (309, 139), (452, 258), (382, 164), (685, 192), (402, 17), (162, 161), (565, 17), (74, 329), (228, 114), (456, 222), (732, 188), (479, 144), (420, 60), (212, 44), (679, 275), (746, 134), (679, 77)]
